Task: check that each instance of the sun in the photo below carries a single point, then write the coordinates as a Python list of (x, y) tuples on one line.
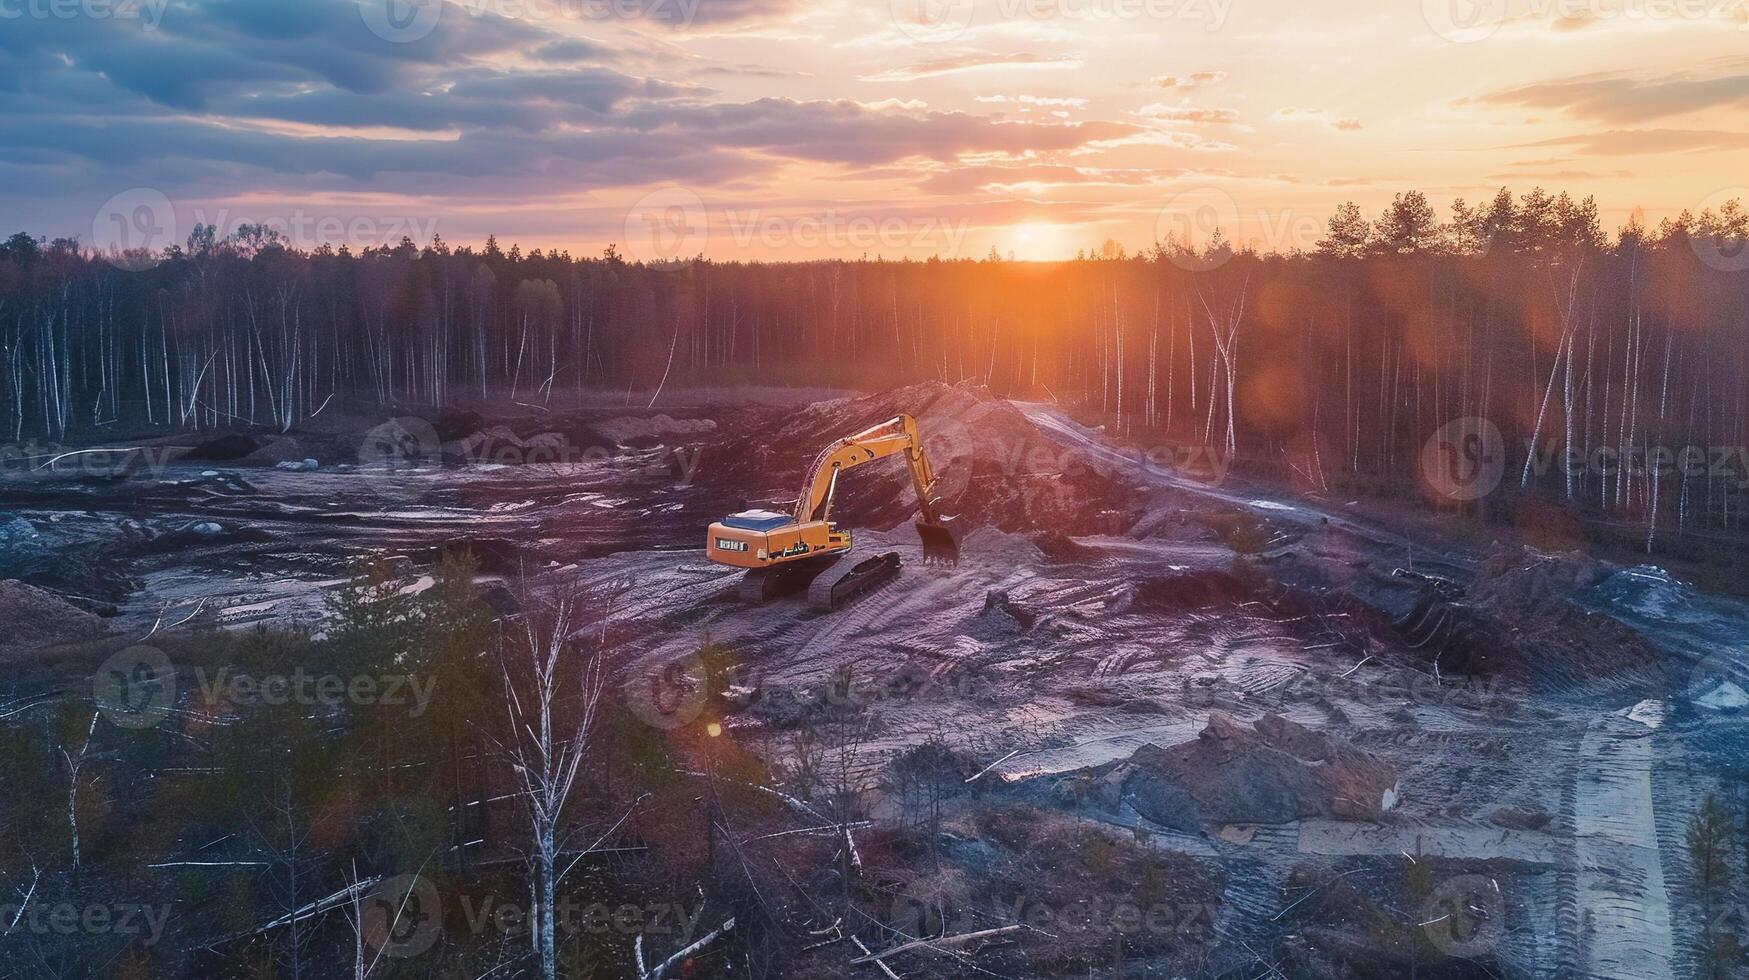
[(1036, 241)]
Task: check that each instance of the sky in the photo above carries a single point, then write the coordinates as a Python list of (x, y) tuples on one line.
[(806, 129)]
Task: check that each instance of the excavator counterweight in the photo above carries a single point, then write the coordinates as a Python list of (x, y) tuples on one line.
[(785, 553)]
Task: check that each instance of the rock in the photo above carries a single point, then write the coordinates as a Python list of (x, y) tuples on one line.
[(205, 529), (36, 619), (297, 465)]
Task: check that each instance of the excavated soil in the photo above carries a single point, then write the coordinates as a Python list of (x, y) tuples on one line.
[(36, 619), (994, 467), (1519, 618), (1271, 772)]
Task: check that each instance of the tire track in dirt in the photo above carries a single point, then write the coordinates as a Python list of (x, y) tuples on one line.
[(1624, 906)]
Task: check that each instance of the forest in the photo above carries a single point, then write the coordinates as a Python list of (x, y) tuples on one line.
[(1609, 362)]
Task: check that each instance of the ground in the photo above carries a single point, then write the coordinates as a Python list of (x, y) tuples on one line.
[(1118, 648)]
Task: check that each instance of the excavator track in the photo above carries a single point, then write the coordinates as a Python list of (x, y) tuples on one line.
[(844, 583), (766, 584)]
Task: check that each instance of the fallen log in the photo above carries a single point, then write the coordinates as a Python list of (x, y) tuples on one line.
[(961, 939)]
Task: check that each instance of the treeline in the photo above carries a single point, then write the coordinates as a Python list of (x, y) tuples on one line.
[(1333, 367)]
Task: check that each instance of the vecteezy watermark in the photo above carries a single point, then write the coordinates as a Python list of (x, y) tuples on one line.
[(1476, 693), (1720, 682), (401, 21), (237, 688), (1464, 21), (668, 692), (133, 920), (1728, 465), (667, 225), (858, 233), (1731, 921), (401, 916), (1464, 461), (404, 916), (135, 688), (1725, 244), (932, 21), (150, 13), (1469, 21), (937, 21), (133, 228), (401, 459), (1199, 228), (407, 21), (1465, 916), (303, 229), (19, 460), (673, 224), (917, 911), (1467, 458)]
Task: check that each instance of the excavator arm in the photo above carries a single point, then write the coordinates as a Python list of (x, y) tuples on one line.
[(878, 442), (894, 436)]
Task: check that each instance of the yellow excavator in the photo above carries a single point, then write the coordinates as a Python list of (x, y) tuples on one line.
[(785, 553)]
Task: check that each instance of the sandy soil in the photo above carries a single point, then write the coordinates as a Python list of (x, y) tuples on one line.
[(1047, 670)]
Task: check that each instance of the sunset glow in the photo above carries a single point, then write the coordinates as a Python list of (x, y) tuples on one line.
[(947, 128)]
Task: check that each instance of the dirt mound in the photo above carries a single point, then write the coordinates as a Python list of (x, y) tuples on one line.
[(1272, 773), (994, 468), (225, 448), (628, 429), (36, 619), (1520, 618), (1192, 590)]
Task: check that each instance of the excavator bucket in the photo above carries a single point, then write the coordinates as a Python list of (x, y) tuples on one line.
[(941, 542)]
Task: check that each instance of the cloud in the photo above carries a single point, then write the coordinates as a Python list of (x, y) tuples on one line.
[(1620, 97), (970, 62), (205, 48), (851, 133), (997, 179), (1638, 142), (1195, 79), (1034, 100), (572, 50), (1189, 113), (1551, 175), (728, 11), (1297, 114)]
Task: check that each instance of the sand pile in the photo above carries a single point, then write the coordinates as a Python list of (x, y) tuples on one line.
[(1274, 772), (994, 468), (35, 619)]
